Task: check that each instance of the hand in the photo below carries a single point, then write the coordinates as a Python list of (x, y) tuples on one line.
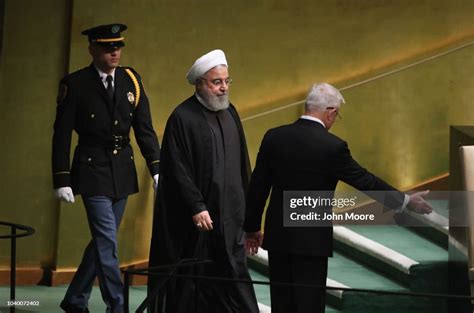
[(253, 241), (65, 194), (155, 181), (418, 203), (203, 220)]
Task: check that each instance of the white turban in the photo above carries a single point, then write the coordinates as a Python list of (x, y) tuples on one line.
[(204, 64)]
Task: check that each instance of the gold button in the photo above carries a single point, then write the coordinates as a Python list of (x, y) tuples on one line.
[(116, 122), (92, 115), (131, 157), (89, 159), (115, 152)]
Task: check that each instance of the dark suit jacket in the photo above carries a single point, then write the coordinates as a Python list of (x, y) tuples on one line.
[(301, 156), (98, 167)]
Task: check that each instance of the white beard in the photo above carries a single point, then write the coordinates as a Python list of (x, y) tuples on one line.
[(215, 103)]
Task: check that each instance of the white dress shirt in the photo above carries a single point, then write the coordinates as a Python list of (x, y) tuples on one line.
[(312, 118), (103, 77)]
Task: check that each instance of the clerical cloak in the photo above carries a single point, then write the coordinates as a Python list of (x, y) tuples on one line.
[(191, 167)]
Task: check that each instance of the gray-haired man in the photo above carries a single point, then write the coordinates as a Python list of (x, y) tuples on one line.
[(305, 156)]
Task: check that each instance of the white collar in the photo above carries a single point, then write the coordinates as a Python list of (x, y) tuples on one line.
[(103, 75), (312, 118)]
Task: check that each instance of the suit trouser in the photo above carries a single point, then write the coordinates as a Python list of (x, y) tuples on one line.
[(297, 269), (100, 257)]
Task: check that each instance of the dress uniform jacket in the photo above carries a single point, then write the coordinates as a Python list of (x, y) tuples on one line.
[(103, 162)]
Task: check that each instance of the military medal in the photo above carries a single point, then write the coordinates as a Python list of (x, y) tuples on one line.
[(131, 97)]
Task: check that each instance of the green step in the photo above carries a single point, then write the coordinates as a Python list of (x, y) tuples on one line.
[(438, 235), (356, 275), (345, 271), (430, 275), (263, 291), (50, 297), (359, 276), (441, 207), (404, 241)]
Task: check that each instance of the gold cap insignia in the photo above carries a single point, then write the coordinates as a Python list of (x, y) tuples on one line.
[(115, 29)]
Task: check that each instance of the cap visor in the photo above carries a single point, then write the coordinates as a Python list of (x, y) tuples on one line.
[(117, 44)]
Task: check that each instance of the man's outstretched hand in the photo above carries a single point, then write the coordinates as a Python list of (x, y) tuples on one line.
[(418, 203)]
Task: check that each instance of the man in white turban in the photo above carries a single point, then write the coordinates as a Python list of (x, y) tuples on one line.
[(200, 205)]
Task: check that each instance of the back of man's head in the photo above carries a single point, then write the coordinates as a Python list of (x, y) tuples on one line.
[(322, 96)]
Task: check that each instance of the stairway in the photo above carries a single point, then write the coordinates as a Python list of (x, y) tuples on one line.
[(384, 258)]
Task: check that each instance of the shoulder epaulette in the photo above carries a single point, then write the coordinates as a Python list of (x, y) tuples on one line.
[(135, 83)]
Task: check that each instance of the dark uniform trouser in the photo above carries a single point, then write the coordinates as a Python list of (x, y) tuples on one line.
[(302, 269), (100, 257)]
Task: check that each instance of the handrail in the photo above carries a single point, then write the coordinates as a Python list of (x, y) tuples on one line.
[(158, 272), (28, 231), (149, 271)]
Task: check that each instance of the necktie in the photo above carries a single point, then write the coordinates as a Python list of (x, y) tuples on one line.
[(110, 87)]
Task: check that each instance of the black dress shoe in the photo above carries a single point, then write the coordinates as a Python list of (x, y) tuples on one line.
[(71, 309), (78, 311)]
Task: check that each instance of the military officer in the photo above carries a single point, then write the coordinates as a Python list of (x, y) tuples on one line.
[(101, 103)]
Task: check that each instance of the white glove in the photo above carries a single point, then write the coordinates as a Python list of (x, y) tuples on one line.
[(65, 194), (155, 181)]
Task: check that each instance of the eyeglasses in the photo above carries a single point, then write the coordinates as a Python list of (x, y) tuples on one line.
[(219, 82), (337, 113)]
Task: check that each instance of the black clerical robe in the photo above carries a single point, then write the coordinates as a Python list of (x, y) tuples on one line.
[(204, 166)]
